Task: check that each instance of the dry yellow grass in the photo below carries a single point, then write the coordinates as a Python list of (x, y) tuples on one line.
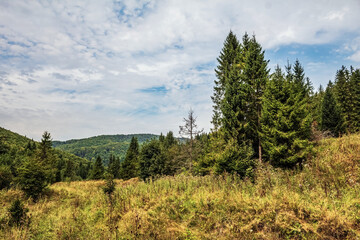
[(321, 201)]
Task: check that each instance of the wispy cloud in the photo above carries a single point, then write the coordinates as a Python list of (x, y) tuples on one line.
[(82, 68)]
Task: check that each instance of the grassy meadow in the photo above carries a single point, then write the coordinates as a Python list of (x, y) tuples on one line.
[(319, 201)]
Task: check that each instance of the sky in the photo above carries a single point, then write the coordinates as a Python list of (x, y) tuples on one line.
[(85, 68)]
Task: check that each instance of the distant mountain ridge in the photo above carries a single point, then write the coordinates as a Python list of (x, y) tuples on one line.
[(102, 145)]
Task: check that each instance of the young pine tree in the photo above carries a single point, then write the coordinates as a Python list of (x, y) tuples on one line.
[(18, 214), (130, 166), (32, 178)]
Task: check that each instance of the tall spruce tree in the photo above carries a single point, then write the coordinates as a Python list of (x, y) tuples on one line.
[(355, 100), (285, 120), (234, 105), (330, 113), (254, 74), (343, 96), (225, 62), (130, 166)]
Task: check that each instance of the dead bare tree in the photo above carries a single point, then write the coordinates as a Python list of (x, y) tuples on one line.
[(190, 130)]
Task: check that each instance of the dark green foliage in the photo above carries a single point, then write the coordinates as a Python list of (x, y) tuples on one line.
[(152, 160), (169, 140), (45, 146), (83, 171), (236, 158), (254, 75), (130, 166), (32, 178), (102, 146), (233, 106), (97, 171), (243, 87), (285, 120), (347, 94), (342, 93), (4, 148), (355, 100), (316, 105), (69, 171), (58, 165), (109, 187), (331, 119), (114, 166), (222, 71), (6, 176), (18, 214)]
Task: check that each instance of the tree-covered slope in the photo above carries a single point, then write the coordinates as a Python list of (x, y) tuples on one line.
[(16, 149), (102, 146)]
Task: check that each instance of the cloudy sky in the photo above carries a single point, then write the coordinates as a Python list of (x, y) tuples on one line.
[(85, 68)]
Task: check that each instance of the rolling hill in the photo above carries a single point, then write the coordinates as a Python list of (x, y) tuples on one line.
[(15, 142), (15, 149), (102, 146)]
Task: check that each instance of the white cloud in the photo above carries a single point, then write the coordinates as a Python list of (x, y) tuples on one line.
[(77, 68)]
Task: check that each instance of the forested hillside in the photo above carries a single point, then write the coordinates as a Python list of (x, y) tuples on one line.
[(19, 153), (102, 146)]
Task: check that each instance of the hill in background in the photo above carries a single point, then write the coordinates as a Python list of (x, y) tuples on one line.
[(319, 201), (16, 143), (102, 146)]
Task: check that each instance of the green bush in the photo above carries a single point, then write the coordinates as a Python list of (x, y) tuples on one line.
[(32, 178), (17, 214), (109, 184)]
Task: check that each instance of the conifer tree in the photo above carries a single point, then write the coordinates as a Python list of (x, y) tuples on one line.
[(355, 100), (32, 178), (98, 169), (343, 96), (69, 171), (45, 146), (115, 170), (285, 120), (130, 166), (152, 160), (234, 105), (114, 166), (225, 61), (330, 113), (316, 105), (83, 171), (46, 156), (169, 140), (254, 74)]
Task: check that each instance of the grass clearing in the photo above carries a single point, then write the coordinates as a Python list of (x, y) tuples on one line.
[(321, 201)]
